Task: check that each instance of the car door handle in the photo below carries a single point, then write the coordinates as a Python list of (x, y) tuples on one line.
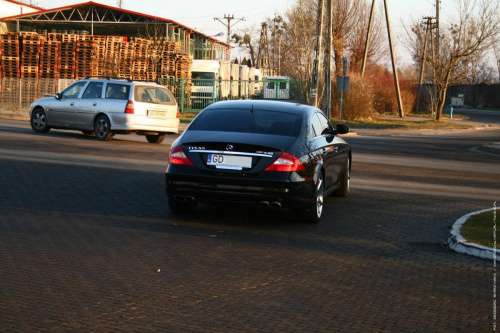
[(94, 104), (72, 104)]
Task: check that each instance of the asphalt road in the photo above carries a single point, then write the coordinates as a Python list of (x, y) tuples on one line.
[(87, 242)]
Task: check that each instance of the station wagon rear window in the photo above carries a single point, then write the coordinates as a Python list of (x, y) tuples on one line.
[(152, 94)]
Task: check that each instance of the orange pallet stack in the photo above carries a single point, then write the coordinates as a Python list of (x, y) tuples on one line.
[(30, 58), (168, 59), (67, 67), (98, 55), (83, 58), (125, 59), (50, 59), (140, 63), (183, 66), (9, 44)]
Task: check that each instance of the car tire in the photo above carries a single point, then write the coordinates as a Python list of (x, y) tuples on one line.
[(181, 207), (155, 138), (343, 190), (39, 121), (102, 129), (314, 212)]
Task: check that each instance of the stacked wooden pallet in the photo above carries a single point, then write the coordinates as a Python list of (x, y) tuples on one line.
[(169, 56), (83, 58), (98, 55), (125, 59), (30, 55), (183, 64), (67, 54), (9, 44), (70, 56), (140, 62), (50, 59)]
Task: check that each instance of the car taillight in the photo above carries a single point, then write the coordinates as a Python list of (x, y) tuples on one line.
[(178, 113), (130, 107), (177, 156), (286, 163)]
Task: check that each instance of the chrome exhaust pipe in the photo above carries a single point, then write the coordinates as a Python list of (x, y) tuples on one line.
[(276, 204), (179, 198), (264, 204)]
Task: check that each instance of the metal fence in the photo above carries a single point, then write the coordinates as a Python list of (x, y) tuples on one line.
[(191, 95)]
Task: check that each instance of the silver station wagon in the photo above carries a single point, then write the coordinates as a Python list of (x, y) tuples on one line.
[(109, 106)]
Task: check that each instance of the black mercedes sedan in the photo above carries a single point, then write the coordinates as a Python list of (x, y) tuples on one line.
[(271, 154)]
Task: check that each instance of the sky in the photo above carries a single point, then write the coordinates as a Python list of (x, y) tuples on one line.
[(200, 14)]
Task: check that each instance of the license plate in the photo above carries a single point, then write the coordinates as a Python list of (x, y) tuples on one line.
[(229, 161), (156, 114)]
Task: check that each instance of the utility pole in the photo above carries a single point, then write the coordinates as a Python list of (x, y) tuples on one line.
[(263, 55), (393, 60), (328, 65), (437, 60), (228, 25), (367, 41), (424, 59), (319, 54)]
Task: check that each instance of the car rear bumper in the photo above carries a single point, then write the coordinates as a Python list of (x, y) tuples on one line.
[(212, 188), (127, 122)]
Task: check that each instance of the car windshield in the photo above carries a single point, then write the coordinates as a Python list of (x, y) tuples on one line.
[(74, 90), (246, 121)]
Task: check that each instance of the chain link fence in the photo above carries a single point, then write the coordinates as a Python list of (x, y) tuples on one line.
[(192, 95)]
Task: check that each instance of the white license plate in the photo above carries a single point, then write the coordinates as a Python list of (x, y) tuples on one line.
[(156, 114), (229, 161)]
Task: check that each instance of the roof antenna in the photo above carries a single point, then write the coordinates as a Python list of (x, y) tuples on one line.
[(252, 109)]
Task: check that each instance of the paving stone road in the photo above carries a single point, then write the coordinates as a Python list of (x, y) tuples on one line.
[(88, 244)]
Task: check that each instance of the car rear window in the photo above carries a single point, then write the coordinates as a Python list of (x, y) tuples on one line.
[(152, 94), (245, 121)]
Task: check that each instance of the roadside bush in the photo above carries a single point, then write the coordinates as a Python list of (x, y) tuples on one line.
[(358, 101), (385, 91)]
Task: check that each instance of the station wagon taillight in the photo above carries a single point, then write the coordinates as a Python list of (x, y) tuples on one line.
[(286, 163), (130, 107), (178, 156), (178, 113)]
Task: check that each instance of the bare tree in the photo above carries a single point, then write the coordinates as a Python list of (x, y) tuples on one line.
[(247, 40), (299, 42), (461, 43)]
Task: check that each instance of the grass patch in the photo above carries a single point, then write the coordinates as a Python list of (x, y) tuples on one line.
[(186, 117), (479, 229), (395, 123)]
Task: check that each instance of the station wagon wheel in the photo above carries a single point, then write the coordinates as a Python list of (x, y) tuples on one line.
[(343, 190), (103, 129), (314, 212), (155, 138), (39, 121)]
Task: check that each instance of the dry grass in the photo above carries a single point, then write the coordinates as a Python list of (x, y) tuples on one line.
[(481, 229)]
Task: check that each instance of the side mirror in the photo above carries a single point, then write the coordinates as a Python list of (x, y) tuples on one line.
[(342, 129), (58, 96)]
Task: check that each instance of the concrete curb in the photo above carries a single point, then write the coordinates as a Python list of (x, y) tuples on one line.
[(459, 244)]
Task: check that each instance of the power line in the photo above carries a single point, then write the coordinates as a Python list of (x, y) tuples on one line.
[(228, 24)]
